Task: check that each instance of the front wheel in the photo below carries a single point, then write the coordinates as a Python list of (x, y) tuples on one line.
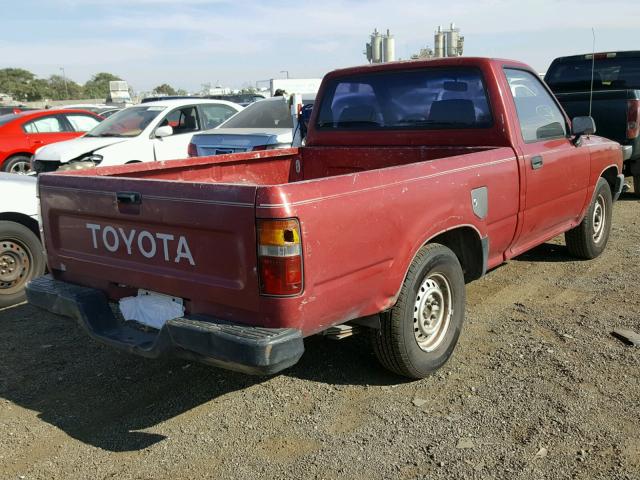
[(418, 335), (21, 259), (589, 239)]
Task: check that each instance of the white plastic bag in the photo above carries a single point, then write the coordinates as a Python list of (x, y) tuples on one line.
[(151, 309)]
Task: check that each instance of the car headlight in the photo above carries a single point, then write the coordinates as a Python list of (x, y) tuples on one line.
[(95, 158)]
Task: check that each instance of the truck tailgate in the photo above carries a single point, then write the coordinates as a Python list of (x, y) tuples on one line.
[(191, 240), (609, 110)]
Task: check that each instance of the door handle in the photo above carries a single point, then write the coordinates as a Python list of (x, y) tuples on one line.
[(536, 162), (130, 198)]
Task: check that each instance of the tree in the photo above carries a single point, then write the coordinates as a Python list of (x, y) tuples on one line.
[(61, 88), (98, 86), (22, 84), (164, 89)]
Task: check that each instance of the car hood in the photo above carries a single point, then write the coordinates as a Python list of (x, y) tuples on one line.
[(71, 149)]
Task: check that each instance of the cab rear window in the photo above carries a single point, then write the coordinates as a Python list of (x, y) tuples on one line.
[(434, 98)]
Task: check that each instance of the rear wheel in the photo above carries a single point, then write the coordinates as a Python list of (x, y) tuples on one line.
[(20, 164), (21, 259), (419, 334), (590, 238)]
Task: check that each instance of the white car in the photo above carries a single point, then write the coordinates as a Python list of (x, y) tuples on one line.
[(21, 254), (151, 131)]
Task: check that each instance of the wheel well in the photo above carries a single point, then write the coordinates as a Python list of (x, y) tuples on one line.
[(22, 219), (466, 244), (611, 175)]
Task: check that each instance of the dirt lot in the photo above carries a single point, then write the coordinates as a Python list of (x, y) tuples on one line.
[(538, 388)]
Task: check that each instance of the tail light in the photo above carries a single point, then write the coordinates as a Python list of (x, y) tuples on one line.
[(633, 119), (280, 257), (192, 150)]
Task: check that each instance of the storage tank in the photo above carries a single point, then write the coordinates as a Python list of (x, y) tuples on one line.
[(438, 43), (376, 47), (388, 48)]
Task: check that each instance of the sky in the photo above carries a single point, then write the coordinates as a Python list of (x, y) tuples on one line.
[(237, 43)]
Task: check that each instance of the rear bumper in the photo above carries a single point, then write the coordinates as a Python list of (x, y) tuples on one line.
[(253, 350)]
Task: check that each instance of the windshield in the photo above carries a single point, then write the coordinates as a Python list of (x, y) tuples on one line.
[(433, 98), (129, 122), (262, 114), (610, 73)]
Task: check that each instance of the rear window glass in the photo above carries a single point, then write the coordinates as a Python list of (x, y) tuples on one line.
[(4, 119), (435, 98), (262, 114), (574, 74)]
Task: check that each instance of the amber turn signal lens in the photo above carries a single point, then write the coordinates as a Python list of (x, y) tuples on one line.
[(280, 257)]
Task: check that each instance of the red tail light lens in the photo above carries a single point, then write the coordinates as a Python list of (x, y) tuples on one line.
[(280, 257), (633, 119), (192, 150)]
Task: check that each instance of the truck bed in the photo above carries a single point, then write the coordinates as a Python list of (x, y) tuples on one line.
[(281, 166), (213, 202)]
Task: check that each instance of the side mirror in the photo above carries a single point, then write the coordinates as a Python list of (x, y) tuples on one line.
[(583, 126), (164, 131)]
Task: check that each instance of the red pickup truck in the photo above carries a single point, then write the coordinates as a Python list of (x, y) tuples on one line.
[(416, 177)]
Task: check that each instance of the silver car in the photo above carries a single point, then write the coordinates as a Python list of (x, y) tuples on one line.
[(263, 125)]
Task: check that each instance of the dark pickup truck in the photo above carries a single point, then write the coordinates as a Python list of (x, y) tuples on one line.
[(416, 177), (615, 103)]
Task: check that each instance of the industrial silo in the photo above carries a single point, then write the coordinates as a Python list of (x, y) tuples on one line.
[(376, 47), (388, 48), (438, 43), (452, 41)]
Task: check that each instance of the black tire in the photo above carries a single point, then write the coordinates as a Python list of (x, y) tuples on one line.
[(396, 344), (20, 164), (21, 259), (636, 185), (589, 239)]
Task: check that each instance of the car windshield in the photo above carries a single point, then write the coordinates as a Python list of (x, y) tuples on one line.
[(262, 114), (609, 73), (433, 98), (129, 122)]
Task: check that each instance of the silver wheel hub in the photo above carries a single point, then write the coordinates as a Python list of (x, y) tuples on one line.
[(599, 219), (14, 266), (432, 312), (21, 168)]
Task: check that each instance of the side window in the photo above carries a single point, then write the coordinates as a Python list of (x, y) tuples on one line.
[(82, 123), (539, 116), (182, 120), (214, 115), (44, 125)]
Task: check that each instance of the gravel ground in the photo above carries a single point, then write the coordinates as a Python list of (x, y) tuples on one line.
[(537, 388)]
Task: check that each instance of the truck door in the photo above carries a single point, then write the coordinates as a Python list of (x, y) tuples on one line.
[(556, 171), (185, 123)]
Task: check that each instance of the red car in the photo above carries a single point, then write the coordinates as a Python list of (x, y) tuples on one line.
[(21, 134)]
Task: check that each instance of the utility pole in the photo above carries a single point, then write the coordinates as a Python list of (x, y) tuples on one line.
[(64, 79)]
